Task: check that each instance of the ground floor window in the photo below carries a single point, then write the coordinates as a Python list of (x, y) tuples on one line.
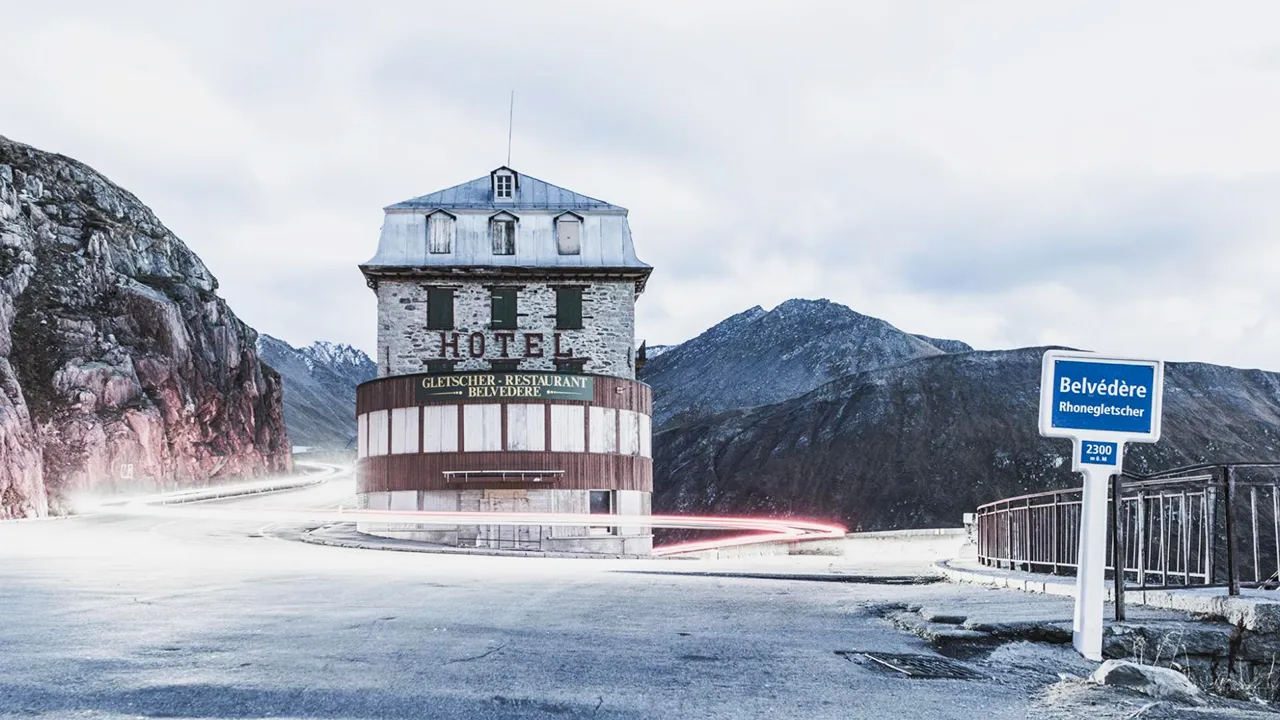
[(601, 502)]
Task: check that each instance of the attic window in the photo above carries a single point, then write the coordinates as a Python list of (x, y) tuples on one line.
[(440, 232), (569, 234), (502, 186), (502, 231)]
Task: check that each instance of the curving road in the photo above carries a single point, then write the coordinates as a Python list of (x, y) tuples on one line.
[(115, 615)]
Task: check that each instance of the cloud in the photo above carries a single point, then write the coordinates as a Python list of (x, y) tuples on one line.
[(1009, 174)]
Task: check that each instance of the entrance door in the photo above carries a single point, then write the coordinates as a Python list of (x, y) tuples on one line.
[(511, 537)]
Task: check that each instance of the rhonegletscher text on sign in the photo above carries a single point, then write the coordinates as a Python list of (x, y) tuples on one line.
[(1108, 397), (548, 386)]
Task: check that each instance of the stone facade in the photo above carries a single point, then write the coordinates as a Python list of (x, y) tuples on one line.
[(606, 340), (568, 454)]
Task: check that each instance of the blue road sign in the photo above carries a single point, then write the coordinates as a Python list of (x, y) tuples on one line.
[(1100, 403), (1103, 396), (1099, 453)]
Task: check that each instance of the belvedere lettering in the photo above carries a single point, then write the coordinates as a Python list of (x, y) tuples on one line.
[(549, 386), (1116, 388)]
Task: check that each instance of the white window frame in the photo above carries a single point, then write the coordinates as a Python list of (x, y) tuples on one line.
[(526, 427), (568, 428), (482, 428), (504, 182), (562, 223), (439, 428), (512, 223), (604, 430), (440, 233), (378, 433), (405, 432), (628, 432), (646, 436)]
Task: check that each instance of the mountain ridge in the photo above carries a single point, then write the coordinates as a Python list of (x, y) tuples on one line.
[(757, 357), (918, 443), (320, 382)]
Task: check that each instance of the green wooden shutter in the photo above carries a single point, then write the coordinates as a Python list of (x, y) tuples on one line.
[(440, 308), (503, 306), (568, 308)]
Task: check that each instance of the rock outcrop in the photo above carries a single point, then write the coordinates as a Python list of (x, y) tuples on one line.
[(319, 390), (945, 345), (120, 367)]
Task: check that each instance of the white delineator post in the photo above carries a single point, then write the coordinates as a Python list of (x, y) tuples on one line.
[(1091, 581), (1100, 403)]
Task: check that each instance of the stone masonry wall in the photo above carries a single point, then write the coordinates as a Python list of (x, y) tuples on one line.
[(607, 338)]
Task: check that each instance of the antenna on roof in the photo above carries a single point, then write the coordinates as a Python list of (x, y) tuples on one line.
[(511, 114)]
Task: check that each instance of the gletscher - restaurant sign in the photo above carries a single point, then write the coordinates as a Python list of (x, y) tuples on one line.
[(466, 386)]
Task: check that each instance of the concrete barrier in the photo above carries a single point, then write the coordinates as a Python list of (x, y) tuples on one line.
[(1252, 611), (887, 547)]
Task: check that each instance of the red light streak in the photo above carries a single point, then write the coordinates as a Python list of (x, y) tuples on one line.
[(758, 530)]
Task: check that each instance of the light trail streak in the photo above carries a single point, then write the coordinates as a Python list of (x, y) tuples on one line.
[(758, 530)]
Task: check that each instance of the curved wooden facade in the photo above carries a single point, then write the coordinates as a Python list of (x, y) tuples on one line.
[(627, 465), (582, 471), (400, 391)]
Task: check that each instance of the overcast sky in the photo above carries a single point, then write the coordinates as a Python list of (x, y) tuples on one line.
[(1096, 175)]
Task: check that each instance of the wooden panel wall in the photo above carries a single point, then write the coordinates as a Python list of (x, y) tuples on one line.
[(582, 471), (399, 391)]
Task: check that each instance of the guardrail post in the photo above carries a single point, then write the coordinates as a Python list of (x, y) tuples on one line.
[(1008, 534), (1228, 494), (1117, 546), (1140, 535), (1211, 534), (1057, 530), (1028, 554)]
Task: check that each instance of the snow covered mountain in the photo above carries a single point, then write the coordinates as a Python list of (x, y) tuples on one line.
[(319, 389), (758, 358)]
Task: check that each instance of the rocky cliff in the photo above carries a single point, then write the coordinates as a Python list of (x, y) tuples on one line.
[(918, 443), (319, 390), (120, 367)]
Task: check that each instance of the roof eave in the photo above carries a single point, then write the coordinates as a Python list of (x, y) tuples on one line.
[(639, 273), (407, 208)]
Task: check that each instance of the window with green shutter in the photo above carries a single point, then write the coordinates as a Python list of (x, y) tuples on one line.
[(571, 366), (503, 306), (439, 308), (568, 308)]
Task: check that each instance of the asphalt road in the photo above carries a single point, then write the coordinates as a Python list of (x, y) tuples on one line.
[(109, 616)]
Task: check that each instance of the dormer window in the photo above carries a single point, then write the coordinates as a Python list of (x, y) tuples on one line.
[(505, 184), (502, 231), (569, 233), (440, 232)]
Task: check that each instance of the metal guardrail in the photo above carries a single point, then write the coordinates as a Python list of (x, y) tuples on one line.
[(1203, 525)]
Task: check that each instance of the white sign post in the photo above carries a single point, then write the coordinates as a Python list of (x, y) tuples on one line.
[(1100, 403)]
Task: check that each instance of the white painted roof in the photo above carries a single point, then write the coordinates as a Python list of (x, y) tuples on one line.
[(531, 194), (605, 234)]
